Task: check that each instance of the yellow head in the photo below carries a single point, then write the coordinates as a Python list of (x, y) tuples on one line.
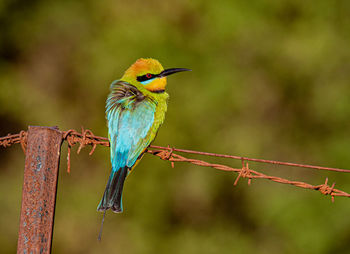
[(150, 74)]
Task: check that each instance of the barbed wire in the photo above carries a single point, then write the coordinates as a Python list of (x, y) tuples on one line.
[(86, 137), (9, 140)]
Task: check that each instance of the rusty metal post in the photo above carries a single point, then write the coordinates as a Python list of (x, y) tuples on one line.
[(39, 190)]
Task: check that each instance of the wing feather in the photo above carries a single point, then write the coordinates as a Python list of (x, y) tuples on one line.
[(130, 117)]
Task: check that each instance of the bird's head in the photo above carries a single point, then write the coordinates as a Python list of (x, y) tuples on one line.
[(150, 74)]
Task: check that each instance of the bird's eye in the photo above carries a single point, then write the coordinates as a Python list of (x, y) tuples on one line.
[(146, 77)]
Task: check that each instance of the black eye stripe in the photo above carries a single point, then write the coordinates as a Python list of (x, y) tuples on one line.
[(145, 77)]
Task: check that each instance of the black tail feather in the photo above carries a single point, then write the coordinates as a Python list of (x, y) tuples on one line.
[(112, 197)]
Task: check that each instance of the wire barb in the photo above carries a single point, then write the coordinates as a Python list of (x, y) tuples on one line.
[(166, 155), (325, 189), (244, 172), (86, 137)]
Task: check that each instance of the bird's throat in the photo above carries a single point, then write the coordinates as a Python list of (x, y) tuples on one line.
[(157, 85)]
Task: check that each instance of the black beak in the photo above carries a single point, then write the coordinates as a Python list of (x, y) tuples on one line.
[(172, 71)]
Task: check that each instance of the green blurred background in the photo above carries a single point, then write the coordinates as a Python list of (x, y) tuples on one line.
[(270, 80)]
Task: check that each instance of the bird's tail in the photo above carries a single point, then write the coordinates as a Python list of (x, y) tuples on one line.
[(112, 197)]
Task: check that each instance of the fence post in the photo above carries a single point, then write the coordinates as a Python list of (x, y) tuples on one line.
[(39, 190)]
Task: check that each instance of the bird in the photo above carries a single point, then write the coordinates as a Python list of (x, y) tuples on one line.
[(135, 109)]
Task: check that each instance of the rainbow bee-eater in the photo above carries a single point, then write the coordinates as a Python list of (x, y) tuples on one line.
[(135, 109)]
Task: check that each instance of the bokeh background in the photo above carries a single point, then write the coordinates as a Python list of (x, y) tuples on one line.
[(270, 80)]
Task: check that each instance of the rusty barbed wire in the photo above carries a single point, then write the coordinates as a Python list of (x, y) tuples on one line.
[(246, 172), (9, 140), (86, 137)]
